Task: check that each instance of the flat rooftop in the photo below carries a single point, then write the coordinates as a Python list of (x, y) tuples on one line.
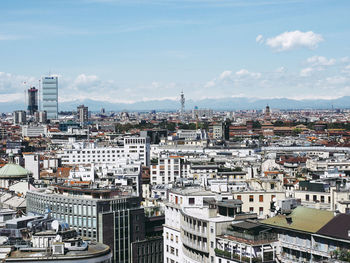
[(94, 249)]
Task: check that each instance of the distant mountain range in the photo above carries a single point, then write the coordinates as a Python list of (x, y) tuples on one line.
[(237, 103)]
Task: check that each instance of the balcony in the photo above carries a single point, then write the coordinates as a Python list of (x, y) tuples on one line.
[(198, 231), (196, 245), (195, 257), (236, 257), (262, 238)]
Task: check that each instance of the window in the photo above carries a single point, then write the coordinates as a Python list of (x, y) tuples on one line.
[(261, 198), (315, 198), (251, 209), (191, 201), (261, 211), (239, 197), (322, 199), (307, 197), (251, 198)]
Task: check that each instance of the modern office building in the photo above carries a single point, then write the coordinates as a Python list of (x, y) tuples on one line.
[(33, 105), (104, 215), (50, 96)]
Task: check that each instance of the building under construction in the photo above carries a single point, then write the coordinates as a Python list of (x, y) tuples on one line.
[(32, 100)]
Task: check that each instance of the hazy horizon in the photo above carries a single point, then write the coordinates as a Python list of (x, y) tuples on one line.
[(126, 51)]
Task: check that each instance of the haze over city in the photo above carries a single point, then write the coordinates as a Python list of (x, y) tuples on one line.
[(131, 51)]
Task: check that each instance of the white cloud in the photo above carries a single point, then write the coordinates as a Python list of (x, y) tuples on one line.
[(345, 59), (320, 61), (226, 74), (85, 79), (210, 84), (259, 39), (346, 69), (15, 84), (294, 39), (305, 72), (246, 73), (336, 80)]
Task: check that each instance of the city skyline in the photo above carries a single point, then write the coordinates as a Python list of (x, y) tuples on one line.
[(129, 51)]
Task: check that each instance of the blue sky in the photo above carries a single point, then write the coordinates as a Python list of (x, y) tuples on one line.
[(132, 50)]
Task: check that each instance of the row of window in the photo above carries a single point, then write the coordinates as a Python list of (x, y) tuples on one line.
[(172, 250), (172, 237), (251, 198), (135, 141), (314, 198)]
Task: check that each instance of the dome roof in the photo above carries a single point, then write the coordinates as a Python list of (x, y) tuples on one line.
[(13, 171)]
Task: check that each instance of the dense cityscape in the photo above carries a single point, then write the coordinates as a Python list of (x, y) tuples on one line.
[(174, 131), (193, 185)]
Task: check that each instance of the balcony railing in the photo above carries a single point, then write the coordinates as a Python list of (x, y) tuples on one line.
[(262, 237), (237, 258)]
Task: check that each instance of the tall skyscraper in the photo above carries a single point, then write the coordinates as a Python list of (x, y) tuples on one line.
[(50, 96), (182, 101), (32, 100)]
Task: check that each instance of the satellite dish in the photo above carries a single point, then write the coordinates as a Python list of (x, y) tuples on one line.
[(55, 225), (274, 199), (277, 208)]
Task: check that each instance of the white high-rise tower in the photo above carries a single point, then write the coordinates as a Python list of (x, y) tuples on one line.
[(50, 96)]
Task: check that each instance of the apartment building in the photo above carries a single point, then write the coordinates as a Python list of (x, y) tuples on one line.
[(34, 130), (246, 241), (167, 170), (135, 148), (192, 223), (310, 235), (259, 202), (316, 165)]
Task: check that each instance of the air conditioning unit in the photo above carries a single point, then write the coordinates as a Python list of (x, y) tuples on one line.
[(58, 248)]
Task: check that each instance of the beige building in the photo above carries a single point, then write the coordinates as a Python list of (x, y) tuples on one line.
[(258, 202)]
